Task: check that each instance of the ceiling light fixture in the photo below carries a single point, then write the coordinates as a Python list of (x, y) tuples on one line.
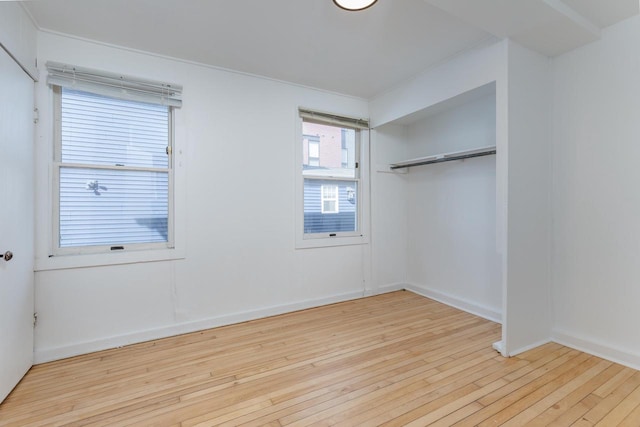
[(354, 5)]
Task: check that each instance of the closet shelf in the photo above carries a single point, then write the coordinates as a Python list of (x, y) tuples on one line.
[(445, 157)]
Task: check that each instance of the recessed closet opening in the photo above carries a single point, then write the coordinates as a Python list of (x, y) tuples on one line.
[(448, 197)]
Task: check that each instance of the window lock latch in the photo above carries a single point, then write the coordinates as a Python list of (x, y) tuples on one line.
[(169, 150)]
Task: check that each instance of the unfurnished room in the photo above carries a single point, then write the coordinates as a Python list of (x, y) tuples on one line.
[(320, 212)]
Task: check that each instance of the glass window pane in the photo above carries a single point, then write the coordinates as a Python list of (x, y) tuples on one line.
[(112, 207), (329, 150), (329, 195), (107, 131), (314, 149), (330, 206)]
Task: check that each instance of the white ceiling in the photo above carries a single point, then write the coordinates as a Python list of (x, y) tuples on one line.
[(314, 43), (551, 27)]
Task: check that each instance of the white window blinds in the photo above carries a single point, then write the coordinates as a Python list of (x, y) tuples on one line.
[(114, 85), (114, 171), (332, 119), (110, 207), (107, 131)]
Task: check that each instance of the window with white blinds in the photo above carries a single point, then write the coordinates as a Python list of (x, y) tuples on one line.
[(112, 173)]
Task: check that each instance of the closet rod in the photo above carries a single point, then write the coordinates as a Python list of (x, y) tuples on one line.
[(444, 158)]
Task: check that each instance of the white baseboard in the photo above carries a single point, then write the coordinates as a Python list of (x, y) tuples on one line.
[(62, 352), (498, 346), (592, 346), (462, 304), (384, 289), (391, 287), (511, 353), (587, 345)]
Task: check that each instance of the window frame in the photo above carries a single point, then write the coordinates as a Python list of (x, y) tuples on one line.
[(57, 165), (361, 180)]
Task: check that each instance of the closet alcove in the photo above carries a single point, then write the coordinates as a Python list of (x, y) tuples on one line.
[(473, 233), (435, 174)]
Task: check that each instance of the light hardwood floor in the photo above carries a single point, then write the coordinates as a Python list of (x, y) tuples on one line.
[(396, 359)]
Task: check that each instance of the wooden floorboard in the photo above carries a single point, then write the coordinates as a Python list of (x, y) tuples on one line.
[(396, 359)]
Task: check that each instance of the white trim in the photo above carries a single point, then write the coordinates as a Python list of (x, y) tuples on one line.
[(323, 240), (328, 242), (130, 256), (61, 352), (525, 348), (459, 303), (592, 346), (109, 167), (156, 251), (391, 287)]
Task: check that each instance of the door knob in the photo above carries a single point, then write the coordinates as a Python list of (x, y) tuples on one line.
[(7, 255)]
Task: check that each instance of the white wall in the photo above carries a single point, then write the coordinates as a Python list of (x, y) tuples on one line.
[(461, 74), (596, 200), (527, 296), (522, 176), (238, 265), (235, 139), (388, 209), (18, 36), (451, 222), (454, 83)]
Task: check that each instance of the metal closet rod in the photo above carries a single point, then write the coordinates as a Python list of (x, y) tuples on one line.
[(447, 157)]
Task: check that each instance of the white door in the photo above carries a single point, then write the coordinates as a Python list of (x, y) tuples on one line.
[(16, 223)]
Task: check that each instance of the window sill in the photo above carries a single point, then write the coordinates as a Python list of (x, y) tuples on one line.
[(62, 262), (327, 242)]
